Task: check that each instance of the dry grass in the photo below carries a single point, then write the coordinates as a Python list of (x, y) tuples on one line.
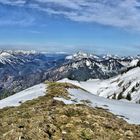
[(47, 119)]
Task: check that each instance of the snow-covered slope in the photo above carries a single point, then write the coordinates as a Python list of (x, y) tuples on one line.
[(126, 86), (122, 87), (134, 62), (129, 111), (28, 94)]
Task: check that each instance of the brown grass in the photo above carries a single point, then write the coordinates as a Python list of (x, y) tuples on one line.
[(48, 119)]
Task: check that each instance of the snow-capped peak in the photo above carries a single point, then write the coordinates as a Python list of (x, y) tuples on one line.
[(5, 54), (11, 52), (11, 56), (78, 55), (81, 55), (5, 57)]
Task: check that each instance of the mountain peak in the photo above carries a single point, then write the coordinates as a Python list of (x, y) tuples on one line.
[(80, 55), (10, 52)]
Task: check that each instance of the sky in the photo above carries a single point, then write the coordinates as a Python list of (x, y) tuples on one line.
[(96, 26)]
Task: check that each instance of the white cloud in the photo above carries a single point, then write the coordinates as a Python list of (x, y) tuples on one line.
[(14, 2), (118, 13), (107, 12)]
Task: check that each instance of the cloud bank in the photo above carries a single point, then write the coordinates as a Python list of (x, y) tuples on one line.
[(116, 13)]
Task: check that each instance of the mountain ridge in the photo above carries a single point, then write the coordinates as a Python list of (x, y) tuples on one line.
[(49, 118), (22, 69), (125, 86), (82, 66)]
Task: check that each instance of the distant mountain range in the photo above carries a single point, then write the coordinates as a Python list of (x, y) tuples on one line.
[(22, 69), (82, 66)]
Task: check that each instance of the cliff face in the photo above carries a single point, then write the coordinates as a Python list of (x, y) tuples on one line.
[(47, 118)]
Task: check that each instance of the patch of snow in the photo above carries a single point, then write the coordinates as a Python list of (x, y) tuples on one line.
[(25, 95), (69, 57), (134, 62), (88, 63), (5, 54), (91, 85), (75, 65), (63, 100)]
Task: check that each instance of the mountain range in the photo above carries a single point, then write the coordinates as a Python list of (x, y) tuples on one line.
[(22, 69), (82, 66)]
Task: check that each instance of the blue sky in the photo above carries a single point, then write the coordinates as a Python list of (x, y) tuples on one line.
[(98, 26)]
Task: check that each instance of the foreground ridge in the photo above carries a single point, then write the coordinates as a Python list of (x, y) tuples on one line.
[(47, 118)]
